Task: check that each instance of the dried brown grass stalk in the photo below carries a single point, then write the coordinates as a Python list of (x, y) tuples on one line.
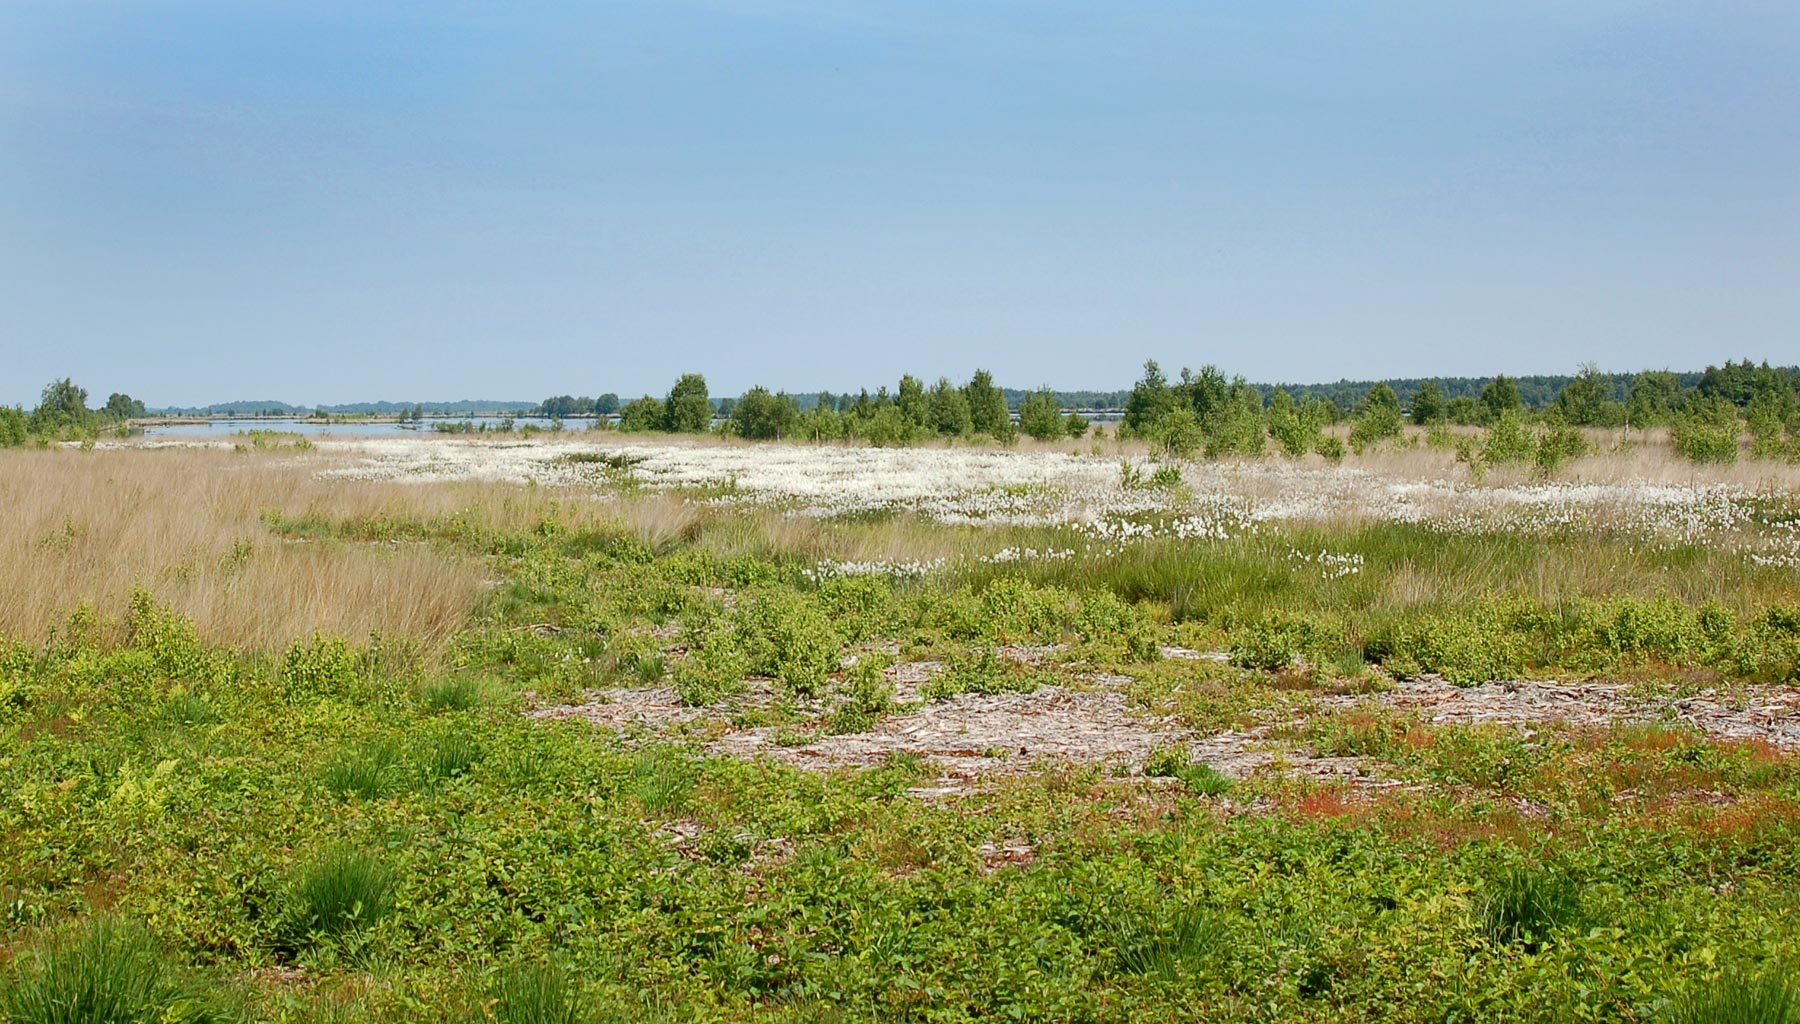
[(185, 525)]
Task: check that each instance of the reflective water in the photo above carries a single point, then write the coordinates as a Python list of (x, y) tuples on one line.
[(227, 428)]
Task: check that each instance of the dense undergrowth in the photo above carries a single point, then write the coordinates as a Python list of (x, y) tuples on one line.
[(372, 828)]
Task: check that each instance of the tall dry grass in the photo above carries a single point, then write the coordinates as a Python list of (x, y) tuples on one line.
[(185, 525)]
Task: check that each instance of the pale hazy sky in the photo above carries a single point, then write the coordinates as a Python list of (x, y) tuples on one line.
[(327, 201)]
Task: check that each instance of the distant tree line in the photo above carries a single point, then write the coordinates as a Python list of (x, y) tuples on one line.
[(62, 413)]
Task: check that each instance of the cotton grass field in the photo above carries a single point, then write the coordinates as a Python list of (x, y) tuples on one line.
[(578, 728)]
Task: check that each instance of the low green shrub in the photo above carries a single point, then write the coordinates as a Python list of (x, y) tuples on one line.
[(321, 668)]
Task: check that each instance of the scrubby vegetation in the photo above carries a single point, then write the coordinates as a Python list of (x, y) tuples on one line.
[(608, 747)]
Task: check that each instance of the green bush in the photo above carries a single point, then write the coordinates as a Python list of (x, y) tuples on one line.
[(105, 972), (788, 637), (1331, 448), (1509, 440), (1174, 762), (324, 667), (1707, 440), (1275, 641)]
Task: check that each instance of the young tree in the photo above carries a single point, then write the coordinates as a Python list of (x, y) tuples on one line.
[(948, 409), (764, 416), (987, 406), (911, 401), (1501, 396), (641, 415), (123, 407), (1428, 405), (687, 409), (1582, 401), (1040, 415), (1380, 419), (1654, 397), (1151, 398), (61, 406)]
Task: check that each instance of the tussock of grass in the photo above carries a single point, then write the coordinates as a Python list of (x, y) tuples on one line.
[(1761, 999), (341, 891), (104, 972)]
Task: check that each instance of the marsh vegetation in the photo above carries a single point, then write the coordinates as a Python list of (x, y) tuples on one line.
[(598, 728)]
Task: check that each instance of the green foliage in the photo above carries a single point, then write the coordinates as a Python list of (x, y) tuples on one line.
[(456, 693), (1705, 439), (759, 415), (1428, 405), (987, 407), (1508, 440), (105, 972), (947, 411), (640, 415), (1330, 448), (323, 667), (1558, 446), (1276, 641), (1174, 762), (1040, 416), (452, 754), (788, 637), (687, 409)]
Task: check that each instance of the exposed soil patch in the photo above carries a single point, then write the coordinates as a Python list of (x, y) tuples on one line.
[(1767, 713)]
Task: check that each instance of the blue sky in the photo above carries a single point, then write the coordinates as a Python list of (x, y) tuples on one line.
[(326, 201)]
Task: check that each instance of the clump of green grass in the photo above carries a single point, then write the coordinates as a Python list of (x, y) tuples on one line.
[(650, 668), (1523, 903), (452, 754), (457, 693), (189, 708), (104, 972), (1163, 949), (369, 772), (534, 994), (340, 892), (1175, 763), (658, 782), (1765, 999)]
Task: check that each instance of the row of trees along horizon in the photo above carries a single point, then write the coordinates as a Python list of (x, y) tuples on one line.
[(1196, 413)]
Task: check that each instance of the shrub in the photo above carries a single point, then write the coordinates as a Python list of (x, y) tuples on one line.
[(326, 666), (786, 636), (339, 892), (1558, 446), (865, 696), (1275, 642), (185, 707), (1704, 442), (104, 972), (1331, 448), (1508, 440)]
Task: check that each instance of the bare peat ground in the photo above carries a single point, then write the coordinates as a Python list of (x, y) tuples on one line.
[(970, 737)]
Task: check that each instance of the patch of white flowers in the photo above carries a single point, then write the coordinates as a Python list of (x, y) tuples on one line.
[(1331, 566), (1084, 493)]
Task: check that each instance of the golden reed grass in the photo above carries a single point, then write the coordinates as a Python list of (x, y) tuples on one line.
[(185, 525)]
